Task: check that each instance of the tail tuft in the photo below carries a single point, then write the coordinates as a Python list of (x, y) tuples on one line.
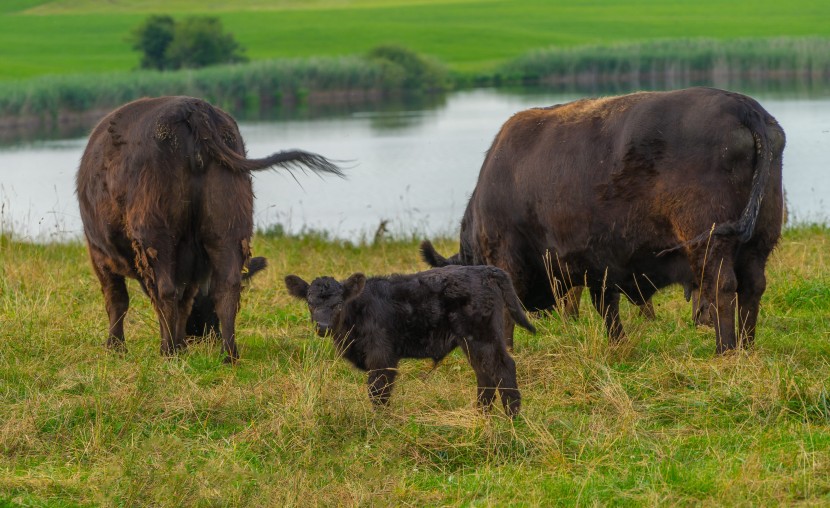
[(253, 266), (431, 256)]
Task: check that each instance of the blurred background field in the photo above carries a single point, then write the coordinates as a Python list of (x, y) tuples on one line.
[(67, 37)]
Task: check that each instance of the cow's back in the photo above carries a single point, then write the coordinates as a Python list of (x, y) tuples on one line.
[(147, 172)]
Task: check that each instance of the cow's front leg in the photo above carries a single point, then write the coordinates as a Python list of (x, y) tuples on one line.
[(607, 303)]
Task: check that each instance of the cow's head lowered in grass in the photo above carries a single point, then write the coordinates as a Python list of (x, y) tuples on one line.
[(377, 321)]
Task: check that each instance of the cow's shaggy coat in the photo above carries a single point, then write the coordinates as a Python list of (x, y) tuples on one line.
[(165, 194)]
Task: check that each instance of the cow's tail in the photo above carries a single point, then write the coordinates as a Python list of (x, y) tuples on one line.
[(435, 260), (289, 159), (511, 300), (211, 131), (744, 226), (252, 266)]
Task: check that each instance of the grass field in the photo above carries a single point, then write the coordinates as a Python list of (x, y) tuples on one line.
[(66, 36), (659, 419)]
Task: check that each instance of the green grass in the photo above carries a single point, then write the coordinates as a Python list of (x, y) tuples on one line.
[(658, 420), (63, 36)]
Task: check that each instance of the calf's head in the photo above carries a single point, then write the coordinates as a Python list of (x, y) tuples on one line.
[(326, 298)]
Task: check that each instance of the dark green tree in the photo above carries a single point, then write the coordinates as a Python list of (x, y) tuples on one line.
[(201, 41), (152, 38), (196, 41)]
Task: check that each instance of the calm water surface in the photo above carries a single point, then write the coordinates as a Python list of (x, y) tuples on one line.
[(414, 169)]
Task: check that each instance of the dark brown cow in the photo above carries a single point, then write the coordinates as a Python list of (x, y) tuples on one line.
[(166, 197), (628, 195), (378, 321)]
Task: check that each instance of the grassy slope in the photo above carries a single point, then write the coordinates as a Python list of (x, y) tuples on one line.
[(68, 37), (658, 420)]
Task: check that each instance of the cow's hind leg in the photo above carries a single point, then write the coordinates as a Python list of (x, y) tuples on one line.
[(716, 271), (226, 286), (116, 300), (607, 303), (752, 283), (158, 274)]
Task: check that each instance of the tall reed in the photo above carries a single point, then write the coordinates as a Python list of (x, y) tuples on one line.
[(673, 62), (233, 86)]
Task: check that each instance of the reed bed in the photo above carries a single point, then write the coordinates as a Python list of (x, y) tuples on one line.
[(670, 63), (231, 85), (269, 84)]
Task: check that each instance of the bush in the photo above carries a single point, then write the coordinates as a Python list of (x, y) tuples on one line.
[(197, 41), (414, 71)]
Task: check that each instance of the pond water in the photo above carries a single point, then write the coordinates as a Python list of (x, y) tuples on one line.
[(414, 169)]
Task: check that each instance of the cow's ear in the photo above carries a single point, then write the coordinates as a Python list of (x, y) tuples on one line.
[(297, 287), (353, 286)]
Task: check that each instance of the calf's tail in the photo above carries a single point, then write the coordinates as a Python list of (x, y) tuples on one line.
[(511, 300)]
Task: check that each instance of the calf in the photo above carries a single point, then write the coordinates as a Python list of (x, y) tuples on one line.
[(377, 321)]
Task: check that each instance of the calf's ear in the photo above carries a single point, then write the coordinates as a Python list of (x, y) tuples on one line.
[(297, 287), (353, 286)]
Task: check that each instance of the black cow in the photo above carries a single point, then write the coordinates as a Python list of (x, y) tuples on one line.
[(628, 195), (377, 321), (165, 194)]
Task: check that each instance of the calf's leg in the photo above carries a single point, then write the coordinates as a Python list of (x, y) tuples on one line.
[(509, 329), (383, 368), (379, 383), (495, 370)]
